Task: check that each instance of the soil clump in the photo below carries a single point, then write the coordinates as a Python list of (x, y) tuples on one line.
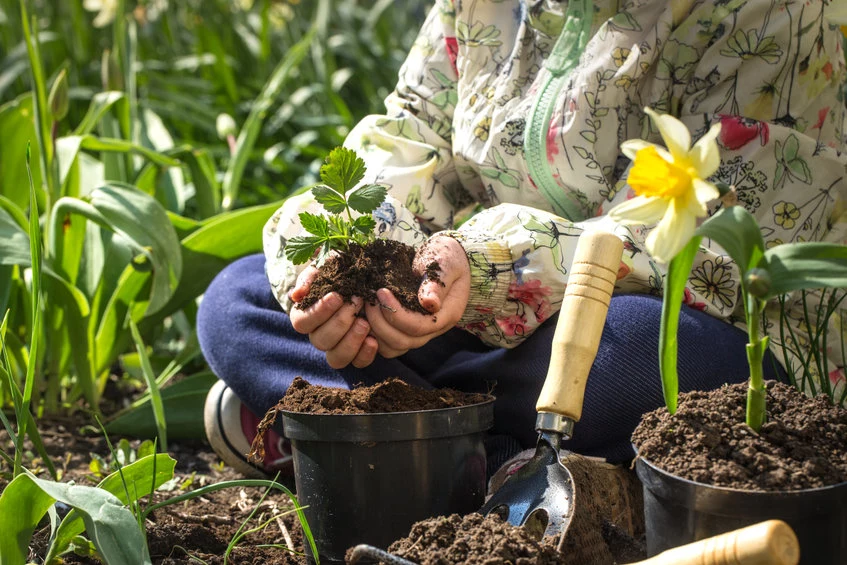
[(361, 271), (390, 395), (802, 445)]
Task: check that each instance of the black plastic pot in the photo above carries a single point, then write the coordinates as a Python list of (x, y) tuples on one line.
[(366, 478), (678, 511)]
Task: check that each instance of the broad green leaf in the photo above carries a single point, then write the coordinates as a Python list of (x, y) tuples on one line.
[(364, 224), (314, 224), (183, 403), (110, 526), (114, 145), (205, 252), (207, 189), (14, 241), (677, 276), (332, 201), (343, 169), (171, 186), (795, 266), (367, 198), (298, 250), (140, 482), (738, 233), (143, 220), (16, 123)]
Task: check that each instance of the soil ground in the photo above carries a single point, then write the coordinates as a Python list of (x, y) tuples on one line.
[(803, 443)]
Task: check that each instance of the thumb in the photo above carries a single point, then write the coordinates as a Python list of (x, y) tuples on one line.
[(304, 283), (431, 293)]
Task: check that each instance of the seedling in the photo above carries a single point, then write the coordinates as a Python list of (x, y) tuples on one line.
[(341, 172)]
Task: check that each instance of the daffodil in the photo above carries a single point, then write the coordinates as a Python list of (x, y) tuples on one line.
[(107, 9), (670, 185)]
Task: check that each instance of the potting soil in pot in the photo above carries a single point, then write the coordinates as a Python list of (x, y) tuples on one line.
[(803, 443)]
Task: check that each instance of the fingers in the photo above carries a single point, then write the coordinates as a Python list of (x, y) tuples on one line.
[(354, 347), (393, 340), (329, 334), (304, 282), (308, 320)]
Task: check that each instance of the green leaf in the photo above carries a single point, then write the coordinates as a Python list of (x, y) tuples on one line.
[(796, 266), (100, 104), (343, 169), (364, 224), (183, 403), (298, 250), (314, 224), (366, 199), (331, 200), (139, 480), (737, 232), (109, 524), (678, 270), (16, 123), (142, 219)]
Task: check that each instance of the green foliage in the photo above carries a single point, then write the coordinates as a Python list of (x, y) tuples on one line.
[(765, 274), (342, 171)]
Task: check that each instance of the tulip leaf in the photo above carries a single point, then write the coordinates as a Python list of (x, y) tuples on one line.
[(737, 232), (795, 266), (140, 481)]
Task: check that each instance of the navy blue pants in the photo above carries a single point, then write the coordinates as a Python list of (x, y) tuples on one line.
[(249, 343)]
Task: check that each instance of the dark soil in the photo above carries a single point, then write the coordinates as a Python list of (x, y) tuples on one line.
[(382, 263), (802, 445), (390, 395)]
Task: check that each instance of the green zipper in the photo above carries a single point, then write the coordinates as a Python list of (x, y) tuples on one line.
[(562, 60)]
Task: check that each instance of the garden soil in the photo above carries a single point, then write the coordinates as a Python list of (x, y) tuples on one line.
[(803, 443), (382, 263)]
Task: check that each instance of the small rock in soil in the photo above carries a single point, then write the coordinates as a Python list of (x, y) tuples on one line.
[(802, 445)]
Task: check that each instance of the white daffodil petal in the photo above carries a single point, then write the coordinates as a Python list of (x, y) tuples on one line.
[(705, 155), (676, 136), (705, 191), (633, 146), (672, 233), (639, 210)]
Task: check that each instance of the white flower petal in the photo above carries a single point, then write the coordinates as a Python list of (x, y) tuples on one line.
[(639, 210), (672, 233), (676, 136), (633, 146), (705, 155), (705, 191)]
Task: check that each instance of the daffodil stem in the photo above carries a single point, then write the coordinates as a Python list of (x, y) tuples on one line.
[(756, 347)]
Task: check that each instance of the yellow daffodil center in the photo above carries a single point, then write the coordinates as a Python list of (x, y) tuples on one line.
[(653, 176)]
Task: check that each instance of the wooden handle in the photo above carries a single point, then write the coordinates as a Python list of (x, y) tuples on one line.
[(581, 319), (766, 543)]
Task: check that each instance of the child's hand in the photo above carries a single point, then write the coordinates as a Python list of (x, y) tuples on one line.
[(333, 325), (398, 330)]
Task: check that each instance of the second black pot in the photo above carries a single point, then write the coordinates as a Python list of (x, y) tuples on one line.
[(366, 478), (678, 511)]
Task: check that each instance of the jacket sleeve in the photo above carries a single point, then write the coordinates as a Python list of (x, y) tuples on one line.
[(408, 150)]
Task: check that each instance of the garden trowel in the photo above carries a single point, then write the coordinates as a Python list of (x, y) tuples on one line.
[(540, 495)]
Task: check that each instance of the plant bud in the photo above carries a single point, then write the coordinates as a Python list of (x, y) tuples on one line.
[(758, 282), (225, 126), (110, 72), (58, 99)]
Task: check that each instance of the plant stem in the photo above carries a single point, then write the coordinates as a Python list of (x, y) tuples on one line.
[(756, 393)]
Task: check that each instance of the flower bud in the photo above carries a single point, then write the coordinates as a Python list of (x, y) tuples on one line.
[(225, 126), (58, 98), (758, 282), (110, 72)]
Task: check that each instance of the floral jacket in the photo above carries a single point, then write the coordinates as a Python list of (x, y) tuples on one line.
[(771, 72)]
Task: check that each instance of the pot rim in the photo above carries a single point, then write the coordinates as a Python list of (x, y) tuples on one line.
[(388, 426), (666, 475)]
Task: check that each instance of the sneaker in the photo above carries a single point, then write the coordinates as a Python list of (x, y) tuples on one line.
[(231, 428)]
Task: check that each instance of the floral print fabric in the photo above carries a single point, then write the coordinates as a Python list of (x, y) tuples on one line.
[(770, 72)]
